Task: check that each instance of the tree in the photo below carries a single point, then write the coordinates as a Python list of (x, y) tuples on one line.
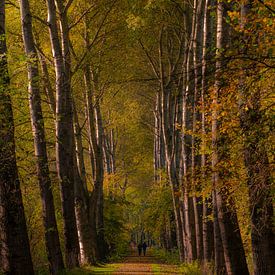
[(51, 232), (15, 250), (234, 256), (64, 128)]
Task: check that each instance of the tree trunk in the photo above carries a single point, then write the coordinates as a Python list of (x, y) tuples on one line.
[(99, 181), (220, 268), (196, 201), (168, 132), (234, 255), (95, 139), (64, 131), (207, 226), (79, 148), (51, 231), (14, 244), (189, 222)]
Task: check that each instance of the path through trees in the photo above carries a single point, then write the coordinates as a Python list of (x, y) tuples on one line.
[(124, 122)]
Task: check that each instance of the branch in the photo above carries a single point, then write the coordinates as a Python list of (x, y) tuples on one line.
[(81, 17), (94, 39), (33, 16), (150, 59), (268, 7), (68, 5)]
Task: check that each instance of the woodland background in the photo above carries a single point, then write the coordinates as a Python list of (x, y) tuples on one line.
[(152, 119)]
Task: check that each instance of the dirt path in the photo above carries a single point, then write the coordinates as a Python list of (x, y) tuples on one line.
[(136, 265)]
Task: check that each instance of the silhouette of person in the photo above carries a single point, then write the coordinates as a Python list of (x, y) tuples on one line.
[(140, 246), (144, 247)]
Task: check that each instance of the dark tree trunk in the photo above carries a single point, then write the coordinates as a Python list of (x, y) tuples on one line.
[(64, 131), (51, 232), (15, 254), (234, 255), (95, 140), (207, 226), (260, 194), (220, 268)]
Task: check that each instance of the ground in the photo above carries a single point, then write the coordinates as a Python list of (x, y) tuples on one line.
[(133, 264)]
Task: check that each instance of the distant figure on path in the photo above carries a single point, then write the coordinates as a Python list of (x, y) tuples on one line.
[(144, 246), (140, 246)]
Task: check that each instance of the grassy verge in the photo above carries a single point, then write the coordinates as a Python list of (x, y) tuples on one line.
[(168, 257), (156, 268), (102, 269), (172, 258)]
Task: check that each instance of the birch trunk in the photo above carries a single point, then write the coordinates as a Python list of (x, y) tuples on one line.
[(207, 226), (51, 231), (99, 181), (196, 201), (64, 131), (190, 242), (168, 132), (14, 244)]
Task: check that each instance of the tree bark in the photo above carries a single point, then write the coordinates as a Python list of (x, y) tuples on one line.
[(234, 255), (51, 231), (194, 144), (14, 244), (168, 132), (64, 131), (207, 225)]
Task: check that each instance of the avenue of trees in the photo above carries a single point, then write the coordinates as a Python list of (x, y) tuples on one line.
[(129, 119)]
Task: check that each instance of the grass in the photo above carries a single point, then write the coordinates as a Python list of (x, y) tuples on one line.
[(156, 268), (191, 268), (168, 257), (88, 270)]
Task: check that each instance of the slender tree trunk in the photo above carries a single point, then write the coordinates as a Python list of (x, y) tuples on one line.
[(99, 181), (234, 255), (51, 231), (168, 132), (196, 201), (15, 254), (97, 165), (207, 226), (64, 132), (220, 268), (86, 232), (189, 222)]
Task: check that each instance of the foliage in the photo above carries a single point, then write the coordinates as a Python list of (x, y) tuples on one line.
[(115, 230), (169, 257), (123, 34)]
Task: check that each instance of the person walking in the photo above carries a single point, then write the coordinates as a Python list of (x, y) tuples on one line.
[(140, 246), (144, 247)]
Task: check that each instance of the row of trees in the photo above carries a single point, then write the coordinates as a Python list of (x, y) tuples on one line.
[(81, 204), (208, 58), (108, 83)]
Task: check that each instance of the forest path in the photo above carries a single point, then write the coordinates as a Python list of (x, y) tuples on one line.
[(134, 264)]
